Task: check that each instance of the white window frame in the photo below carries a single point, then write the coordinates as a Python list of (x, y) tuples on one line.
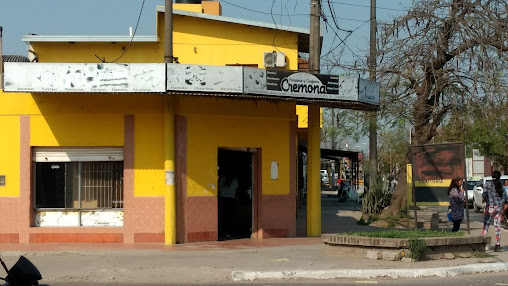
[(51, 217)]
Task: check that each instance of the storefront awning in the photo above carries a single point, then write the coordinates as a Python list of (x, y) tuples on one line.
[(348, 92)]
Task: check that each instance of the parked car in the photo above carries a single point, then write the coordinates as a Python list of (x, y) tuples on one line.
[(471, 183), (478, 203)]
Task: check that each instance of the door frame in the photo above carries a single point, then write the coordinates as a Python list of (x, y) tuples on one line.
[(256, 232)]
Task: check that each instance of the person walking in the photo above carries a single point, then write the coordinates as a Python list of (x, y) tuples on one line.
[(494, 190), (456, 193), (486, 215), (504, 217)]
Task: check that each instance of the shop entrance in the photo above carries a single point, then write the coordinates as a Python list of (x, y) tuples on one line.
[(235, 212)]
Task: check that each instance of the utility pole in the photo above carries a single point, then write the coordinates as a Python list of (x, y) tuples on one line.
[(168, 31), (314, 130), (315, 39), (332, 130), (1, 60), (372, 77), (170, 234)]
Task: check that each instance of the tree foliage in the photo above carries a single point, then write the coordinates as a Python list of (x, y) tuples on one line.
[(439, 58), (341, 125), (393, 150), (488, 132)]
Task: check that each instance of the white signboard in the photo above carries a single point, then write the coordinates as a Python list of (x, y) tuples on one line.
[(84, 77), (348, 88), (306, 85), (204, 78), (368, 91), (160, 78)]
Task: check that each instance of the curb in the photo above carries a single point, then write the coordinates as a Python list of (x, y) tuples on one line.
[(370, 273)]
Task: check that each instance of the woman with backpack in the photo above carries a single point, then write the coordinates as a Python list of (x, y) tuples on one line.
[(494, 190), (456, 193)]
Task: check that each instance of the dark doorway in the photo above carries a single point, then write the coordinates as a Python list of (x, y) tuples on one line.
[(235, 194)]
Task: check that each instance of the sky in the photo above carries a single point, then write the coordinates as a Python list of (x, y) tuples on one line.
[(114, 17)]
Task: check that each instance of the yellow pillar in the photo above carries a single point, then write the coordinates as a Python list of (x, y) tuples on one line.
[(169, 166), (313, 173)]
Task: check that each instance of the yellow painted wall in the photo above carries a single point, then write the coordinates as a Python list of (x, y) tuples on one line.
[(149, 155), (220, 43), (79, 119), (76, 130), (81, 52), (195, 41), (85, 120), (213, 123), (9, 154), (302, 111), (188, 7)]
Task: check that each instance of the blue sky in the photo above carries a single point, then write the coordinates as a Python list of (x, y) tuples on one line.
[(114, 17)]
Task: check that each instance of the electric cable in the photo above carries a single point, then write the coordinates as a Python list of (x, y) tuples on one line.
[(367, 6), (130, 42)]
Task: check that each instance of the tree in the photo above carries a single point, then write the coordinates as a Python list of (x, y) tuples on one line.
[(491, 141), (441, 56), (392, 156), (339, 125)]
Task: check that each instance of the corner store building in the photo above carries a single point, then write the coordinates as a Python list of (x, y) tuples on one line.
[(156, 129)]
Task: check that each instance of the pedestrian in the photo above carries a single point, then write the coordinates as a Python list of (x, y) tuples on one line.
[(494, 190), (486, 215), (456, 193), (505, 204)]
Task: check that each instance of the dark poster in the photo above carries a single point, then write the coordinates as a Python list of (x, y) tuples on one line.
[(434, 166)]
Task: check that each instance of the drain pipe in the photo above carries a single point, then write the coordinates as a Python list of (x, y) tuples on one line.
[(1, 62)]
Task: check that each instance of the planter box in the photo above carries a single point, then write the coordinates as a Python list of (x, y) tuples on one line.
[(437, 247)]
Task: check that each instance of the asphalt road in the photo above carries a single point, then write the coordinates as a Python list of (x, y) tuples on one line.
[(491, 279)]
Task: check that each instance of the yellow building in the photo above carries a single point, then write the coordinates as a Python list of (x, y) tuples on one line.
[(101, 152)]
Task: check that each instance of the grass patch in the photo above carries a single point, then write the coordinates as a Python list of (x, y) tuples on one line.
[(478, 254), (396, 233), (417, 249), (391, 220), (368, 219)]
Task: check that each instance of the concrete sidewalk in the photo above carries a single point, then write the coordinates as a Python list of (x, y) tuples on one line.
[(240, 260)]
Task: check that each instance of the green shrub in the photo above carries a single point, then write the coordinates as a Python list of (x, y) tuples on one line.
[(404, 213), (417, 249), (478, 254), (375, 200), (368, 219), (361, 221)]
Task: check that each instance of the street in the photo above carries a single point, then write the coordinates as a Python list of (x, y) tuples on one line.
[(491, 279), (213, 262)]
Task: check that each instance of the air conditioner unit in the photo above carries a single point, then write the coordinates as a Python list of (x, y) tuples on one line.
[(274, 59)]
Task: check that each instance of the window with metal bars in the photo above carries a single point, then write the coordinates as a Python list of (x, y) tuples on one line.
[(79, 185)]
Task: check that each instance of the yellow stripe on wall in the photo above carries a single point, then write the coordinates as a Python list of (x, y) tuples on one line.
[(9, 156)]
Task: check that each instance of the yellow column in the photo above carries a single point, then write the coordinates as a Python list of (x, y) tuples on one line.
[(169, 166), (313, 174)]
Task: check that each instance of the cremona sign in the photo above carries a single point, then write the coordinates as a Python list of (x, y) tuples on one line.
[(159, 78)]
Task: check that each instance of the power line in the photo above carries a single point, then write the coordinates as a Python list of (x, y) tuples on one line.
[(261, 12), (343, 41), (366, 6), (282, 15), (132, 38)]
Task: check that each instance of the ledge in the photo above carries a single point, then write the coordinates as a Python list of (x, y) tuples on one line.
[(396, 248), (340, 239)]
